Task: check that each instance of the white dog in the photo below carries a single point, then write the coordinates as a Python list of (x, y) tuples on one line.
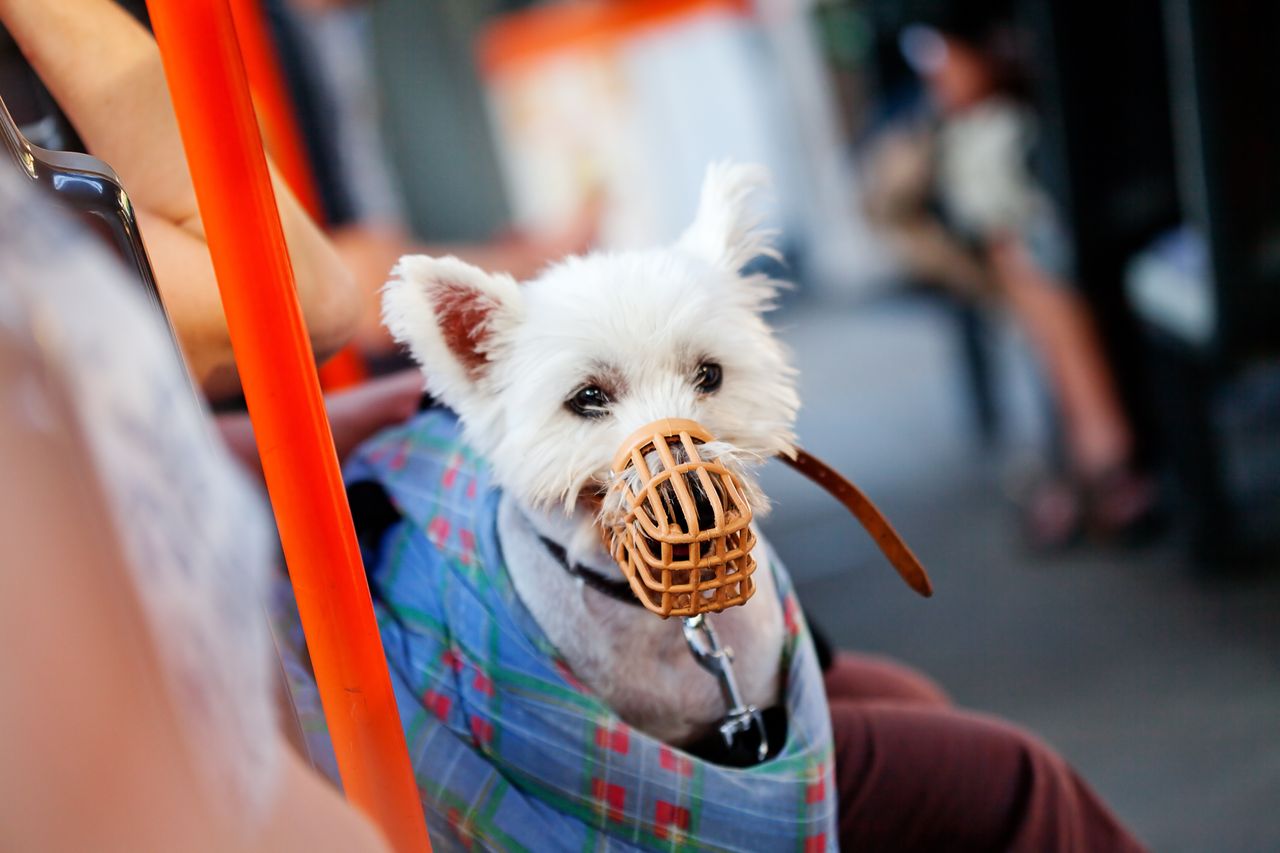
[(550, 376)]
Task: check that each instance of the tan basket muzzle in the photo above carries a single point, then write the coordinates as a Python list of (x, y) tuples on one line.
[(684, 536)]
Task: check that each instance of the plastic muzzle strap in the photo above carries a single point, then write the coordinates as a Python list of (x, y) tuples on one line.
[(684, 539)]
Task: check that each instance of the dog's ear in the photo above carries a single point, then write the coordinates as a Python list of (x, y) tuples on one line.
[(726, 231), (449, 314)]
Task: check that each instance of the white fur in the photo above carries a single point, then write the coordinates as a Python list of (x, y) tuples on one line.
[(726, 230), (638, 323)]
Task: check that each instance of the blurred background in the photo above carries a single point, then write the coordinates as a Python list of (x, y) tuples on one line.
[(1036, 255)]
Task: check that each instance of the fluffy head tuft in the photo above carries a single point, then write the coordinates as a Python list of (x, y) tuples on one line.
[(727, 230)]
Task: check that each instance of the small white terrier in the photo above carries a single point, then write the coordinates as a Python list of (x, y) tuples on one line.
[(549, 377)]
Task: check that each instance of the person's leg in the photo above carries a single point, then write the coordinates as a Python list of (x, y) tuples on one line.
[(1099, 438), (927, 778), (1061, 330), (868, 678)]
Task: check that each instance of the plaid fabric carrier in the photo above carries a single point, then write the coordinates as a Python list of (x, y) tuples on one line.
[(511, 752)]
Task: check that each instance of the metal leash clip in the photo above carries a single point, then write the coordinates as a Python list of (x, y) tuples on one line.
[(717, 660)]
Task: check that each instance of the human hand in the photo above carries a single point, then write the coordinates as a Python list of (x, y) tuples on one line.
[(357, 413), (354, 415)]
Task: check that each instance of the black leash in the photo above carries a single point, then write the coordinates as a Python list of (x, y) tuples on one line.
[(618, 590)]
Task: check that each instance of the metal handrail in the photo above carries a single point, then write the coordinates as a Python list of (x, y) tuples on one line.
[(87, 184)]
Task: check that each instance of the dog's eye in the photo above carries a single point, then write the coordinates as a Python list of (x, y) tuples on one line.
[(708, 377), (589, 402)]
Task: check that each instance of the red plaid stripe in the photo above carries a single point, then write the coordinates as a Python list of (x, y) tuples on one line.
[(468, 540), (610, 795), (481, 730), (451, 473), (455, 823), (438, 530), (667, 815), (616, 739), (437, 703), (567, 675), (789, 608), (816, 790), (483, 683), (668, 759)]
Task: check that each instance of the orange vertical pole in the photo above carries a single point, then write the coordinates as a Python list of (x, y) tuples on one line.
[(210, 94), (274, 108)]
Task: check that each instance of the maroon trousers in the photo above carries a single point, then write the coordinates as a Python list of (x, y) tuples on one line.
[(916, 774)]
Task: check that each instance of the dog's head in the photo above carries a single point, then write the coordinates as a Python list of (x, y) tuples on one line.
[(551, 376)]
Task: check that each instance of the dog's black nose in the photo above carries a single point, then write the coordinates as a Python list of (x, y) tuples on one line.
[(706, 509), (702, 504)]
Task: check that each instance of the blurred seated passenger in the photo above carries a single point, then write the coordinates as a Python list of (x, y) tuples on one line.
[(140, 706), (956, 197), (116, 66), (104, 70)]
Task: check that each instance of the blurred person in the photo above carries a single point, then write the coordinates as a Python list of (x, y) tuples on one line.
[(139, 706), (119, 67), (104, 70), (957, 198), (112, 90)]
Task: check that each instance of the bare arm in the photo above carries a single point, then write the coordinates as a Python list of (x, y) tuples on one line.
[(105, 71)]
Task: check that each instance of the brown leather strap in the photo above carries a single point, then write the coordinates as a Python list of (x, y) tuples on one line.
[(868, 515)]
